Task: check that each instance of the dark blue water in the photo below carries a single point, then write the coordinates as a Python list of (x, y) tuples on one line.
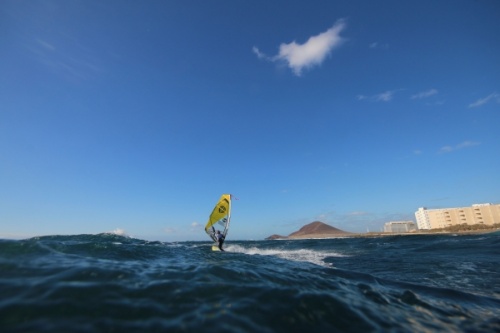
[(109, 283)]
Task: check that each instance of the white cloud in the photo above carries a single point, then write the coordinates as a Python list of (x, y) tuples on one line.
[(195, 226), (446, 149), (312, 53), (46, 45), (169, 230), (386, 96), (425, 94), (377, 45), (358, 213), (259, 54), (465, 144), (482, 101)]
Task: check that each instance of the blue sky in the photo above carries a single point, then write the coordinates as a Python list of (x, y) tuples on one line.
[(135, 116)]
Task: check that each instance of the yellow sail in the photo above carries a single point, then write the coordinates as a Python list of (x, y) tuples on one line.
[(220, 217)]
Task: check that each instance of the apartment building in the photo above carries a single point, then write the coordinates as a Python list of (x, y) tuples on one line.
[(486, 214), (400, 226)]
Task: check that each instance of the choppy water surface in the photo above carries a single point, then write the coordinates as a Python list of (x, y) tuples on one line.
[(109, 283)]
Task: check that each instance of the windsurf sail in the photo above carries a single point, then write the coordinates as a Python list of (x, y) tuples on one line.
[(220, 217)]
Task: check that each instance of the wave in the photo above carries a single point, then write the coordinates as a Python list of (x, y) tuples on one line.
[(106, 282), (306, 255)]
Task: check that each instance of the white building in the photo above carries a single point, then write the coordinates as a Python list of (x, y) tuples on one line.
[(422, 217), (400, 226)]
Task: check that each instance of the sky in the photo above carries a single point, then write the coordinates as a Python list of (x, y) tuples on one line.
[(134, 117)]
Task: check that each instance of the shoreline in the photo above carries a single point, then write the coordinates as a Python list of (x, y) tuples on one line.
[(387, 234)]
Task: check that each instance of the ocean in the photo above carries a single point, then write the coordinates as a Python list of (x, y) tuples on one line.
[(111, 283)]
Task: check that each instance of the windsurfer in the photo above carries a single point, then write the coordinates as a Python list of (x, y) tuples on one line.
[(220, 239)]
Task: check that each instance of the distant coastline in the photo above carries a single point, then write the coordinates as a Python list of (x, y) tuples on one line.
[(320, 230)]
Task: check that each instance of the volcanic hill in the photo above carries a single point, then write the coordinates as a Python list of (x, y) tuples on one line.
[(314, 229)]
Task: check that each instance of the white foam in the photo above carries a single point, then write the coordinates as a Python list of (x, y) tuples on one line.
[(315, 257), (467, 266)]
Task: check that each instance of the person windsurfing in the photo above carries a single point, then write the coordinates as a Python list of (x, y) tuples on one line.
[(220, 239)]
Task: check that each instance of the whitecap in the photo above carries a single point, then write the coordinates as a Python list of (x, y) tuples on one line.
[(307, 255)]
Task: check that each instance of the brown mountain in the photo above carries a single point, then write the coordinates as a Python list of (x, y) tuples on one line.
[(314, 229), (317, 229), (275, 237)]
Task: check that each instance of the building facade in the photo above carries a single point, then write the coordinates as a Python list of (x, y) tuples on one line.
[(400, 226), (486, 214)]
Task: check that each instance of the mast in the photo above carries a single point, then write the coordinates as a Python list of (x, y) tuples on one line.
[(228, 216)]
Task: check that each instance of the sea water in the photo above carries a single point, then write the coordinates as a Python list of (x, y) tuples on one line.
[(110, 283)]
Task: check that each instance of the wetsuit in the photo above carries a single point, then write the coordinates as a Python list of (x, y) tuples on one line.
[(220, 240)]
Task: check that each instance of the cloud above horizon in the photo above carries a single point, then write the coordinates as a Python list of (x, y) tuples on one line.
[(309, 54), (377, 45), (195, 226), (465, 144), (169, 230), (494, 96), (425, 94), (386, 96)]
